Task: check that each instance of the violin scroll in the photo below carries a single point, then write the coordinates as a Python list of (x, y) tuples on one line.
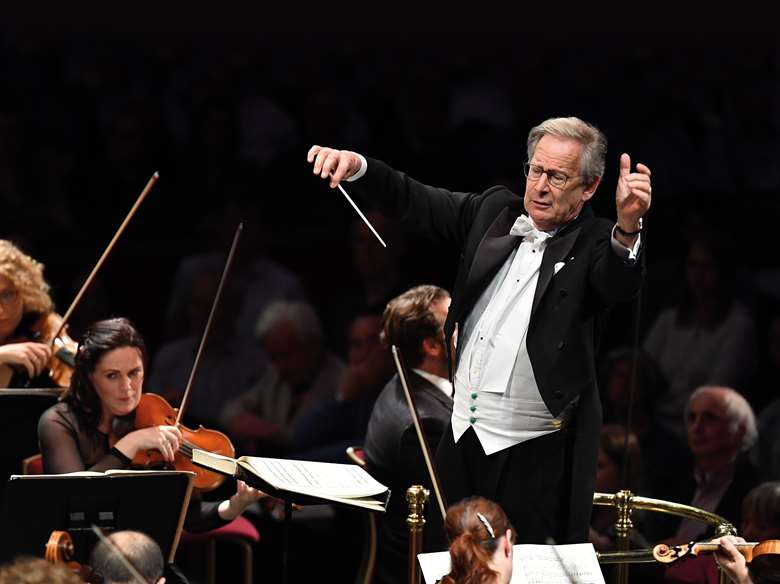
[(60, 549), (666, 554)]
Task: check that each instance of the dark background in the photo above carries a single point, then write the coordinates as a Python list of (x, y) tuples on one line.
[(93, 103)]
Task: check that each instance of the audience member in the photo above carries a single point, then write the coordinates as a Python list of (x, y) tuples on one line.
[(661, 450), (619, 467), (137, 549), (302, 373), (377, 277), (768, 447), (481, 539), (413, 322), (709, 337), (260, 278), (340, 421), (721, 430), (229, 364)]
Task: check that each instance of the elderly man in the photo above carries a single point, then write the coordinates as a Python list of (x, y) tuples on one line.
[(721, 429), (301, 375), (526, 303)]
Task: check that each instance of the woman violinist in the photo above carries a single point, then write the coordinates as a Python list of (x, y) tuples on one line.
[(25, 306), (92, 427)]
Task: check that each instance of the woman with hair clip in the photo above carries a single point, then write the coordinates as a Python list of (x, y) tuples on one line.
[(481, 539), (92, 427)]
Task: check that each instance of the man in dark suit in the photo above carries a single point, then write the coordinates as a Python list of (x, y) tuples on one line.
[(528, 296), (414, 323)]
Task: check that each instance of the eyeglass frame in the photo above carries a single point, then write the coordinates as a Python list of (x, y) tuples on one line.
[(566, 178)]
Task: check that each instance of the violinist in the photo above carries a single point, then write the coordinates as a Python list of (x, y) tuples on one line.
[(413, 322), (24, 304), (92, 427)]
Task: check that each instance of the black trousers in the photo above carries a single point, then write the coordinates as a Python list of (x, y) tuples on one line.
[(531, 481)]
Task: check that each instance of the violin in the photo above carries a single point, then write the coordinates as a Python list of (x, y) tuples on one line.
[(60, 549), (764, 556), (154, 410), (48, 329)]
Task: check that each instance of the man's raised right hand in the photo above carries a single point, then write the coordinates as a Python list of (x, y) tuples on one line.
[(335, 165)]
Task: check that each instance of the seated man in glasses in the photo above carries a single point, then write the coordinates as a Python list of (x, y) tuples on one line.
[(536, 274)]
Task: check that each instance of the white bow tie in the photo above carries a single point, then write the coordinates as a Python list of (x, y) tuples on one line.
[(524, 227)]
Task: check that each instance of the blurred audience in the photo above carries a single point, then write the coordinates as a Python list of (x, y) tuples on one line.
[(378, 276), (619, 468), (340, 421), (229, 365), (302, 373), (709, 337), (660, 450)]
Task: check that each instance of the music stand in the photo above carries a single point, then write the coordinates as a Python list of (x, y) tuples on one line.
[(20, 410), (154, 502)]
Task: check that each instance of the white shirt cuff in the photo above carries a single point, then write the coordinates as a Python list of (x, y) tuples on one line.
[(628, 254), (362, 171)]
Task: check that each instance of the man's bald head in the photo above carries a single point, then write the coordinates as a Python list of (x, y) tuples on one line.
[(137, 548)]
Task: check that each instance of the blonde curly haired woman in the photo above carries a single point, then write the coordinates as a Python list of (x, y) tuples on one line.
[(24, 302)]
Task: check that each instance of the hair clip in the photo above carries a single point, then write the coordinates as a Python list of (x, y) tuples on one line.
[(487, 525)]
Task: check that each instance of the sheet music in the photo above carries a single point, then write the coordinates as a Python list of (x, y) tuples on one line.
[(325, 478), (533, 564), (556, 564)]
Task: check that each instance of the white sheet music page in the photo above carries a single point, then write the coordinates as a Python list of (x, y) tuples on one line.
[(556, 564), (533, 564), (325, 478)]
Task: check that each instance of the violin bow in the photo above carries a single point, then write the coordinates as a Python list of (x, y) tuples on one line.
[(420, 436), (103, 257), (122, 558), (206, 329)]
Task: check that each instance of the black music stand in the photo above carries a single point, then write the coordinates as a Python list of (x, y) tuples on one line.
[(154, 502), (20, 410)]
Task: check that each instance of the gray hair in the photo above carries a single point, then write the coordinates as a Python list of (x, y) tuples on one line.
[(736, 409), (300, 314), (593, 140)]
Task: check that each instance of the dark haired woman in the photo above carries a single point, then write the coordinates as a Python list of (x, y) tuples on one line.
[(481, 538), (98, 410)]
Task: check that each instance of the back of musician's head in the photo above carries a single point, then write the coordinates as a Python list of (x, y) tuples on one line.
[(37, 571), (100, 338), (761, 512), (409, 319), (475, 528), (137, 548)]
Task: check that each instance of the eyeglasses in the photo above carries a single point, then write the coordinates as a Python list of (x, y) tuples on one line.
[(557, 179), (8, 296)]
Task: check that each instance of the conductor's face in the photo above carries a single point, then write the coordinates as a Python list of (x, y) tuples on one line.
[(118, 380), (554, 188)]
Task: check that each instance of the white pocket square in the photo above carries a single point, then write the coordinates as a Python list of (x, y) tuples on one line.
[(558, 266)]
